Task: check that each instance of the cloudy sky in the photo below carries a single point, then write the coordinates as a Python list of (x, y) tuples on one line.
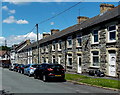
[(19, 18)]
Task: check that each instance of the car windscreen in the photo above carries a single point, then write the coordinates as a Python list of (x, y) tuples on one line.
[(55, 66), (35, 66)]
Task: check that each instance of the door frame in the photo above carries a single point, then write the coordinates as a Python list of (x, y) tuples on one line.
[(79, 68), (111, 52)]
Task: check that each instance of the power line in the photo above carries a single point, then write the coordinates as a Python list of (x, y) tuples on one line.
[(29, 33), (59, 13)]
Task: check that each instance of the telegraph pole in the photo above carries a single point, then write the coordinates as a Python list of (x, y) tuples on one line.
[(37, 42)]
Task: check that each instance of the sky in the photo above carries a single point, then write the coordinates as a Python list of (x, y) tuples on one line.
[(19, 18)]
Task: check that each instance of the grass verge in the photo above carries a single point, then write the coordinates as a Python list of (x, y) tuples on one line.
[(94, 81)]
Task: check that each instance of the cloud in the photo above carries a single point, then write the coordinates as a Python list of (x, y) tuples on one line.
[(11, 19), (18, 39), (52, 23), (5, 8), (12, 11), (2, 40), (22, 22)]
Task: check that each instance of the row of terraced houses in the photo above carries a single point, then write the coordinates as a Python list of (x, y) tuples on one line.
[(92, 43)]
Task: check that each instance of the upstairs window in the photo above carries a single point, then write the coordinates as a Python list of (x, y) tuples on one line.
[(53, 46), (112, 33), (69, 42), (60, 45), (95, 36), (79, 40), (46, 48)]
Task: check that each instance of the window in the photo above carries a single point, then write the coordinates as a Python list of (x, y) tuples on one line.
[(59, 59), (95, 36), (43, 59), (69, 42), (46, 59), (69, 59), (53, 46), (112, 33), (79, 38), (53, 59), (46, 48), (95, 58), (42, 50), (59, 45)]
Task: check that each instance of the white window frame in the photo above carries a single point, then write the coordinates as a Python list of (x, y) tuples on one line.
[(68, 58), (53, 44), (108, 34), (42, 50), (93, 36), (69, 39), (95, 56), (46, 59), (46, 48), (77, 38), (59, 59), (53, 58), (59, 42)]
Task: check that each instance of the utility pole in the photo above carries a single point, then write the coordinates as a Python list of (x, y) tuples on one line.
[(37, 42)]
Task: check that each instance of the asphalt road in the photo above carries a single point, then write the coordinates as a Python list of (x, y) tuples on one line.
[(18, 83)]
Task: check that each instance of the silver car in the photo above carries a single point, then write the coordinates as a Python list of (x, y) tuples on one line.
[(29, 69)]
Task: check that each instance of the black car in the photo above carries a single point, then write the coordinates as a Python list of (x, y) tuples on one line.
[(47, 71), (21, 68)]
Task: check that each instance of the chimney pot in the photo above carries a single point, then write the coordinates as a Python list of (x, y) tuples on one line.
[(45, 35), (82, 18), (53, 31), (105, 7)]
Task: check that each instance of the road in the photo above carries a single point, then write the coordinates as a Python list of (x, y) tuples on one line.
[(18, 83)]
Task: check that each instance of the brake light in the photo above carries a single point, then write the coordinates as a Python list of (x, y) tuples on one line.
[(31, 68), (63, 69), (49, 69), (17, 67)]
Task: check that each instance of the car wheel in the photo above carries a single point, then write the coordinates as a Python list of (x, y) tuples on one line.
[(29, 74), (44, 78), (35, 76)]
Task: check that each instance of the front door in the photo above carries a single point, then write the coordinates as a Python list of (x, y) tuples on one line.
[(79, 70), (112, 64)]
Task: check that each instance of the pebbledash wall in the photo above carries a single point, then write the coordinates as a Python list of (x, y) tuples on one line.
[(93, 43)]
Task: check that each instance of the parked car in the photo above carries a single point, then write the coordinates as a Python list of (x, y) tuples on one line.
[(21, 68), (29, 69), (47, 71), (16, 67), (12, 66), (6, 65)]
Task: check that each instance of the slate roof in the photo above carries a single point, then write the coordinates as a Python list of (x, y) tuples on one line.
[(90, 22), (113, 13)]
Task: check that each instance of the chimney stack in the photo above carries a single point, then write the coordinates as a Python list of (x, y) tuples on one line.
[(45, 35), (53, 31), (105, 7), (81, 19)]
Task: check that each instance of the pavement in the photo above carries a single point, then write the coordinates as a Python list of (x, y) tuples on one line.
[(14, 82)]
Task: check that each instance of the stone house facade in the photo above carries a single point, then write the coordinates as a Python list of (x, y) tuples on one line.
[(93, 43)]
